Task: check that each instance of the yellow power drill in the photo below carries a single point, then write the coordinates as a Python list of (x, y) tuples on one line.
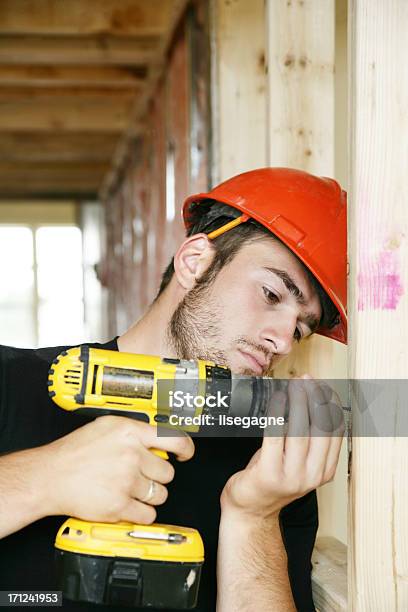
[(124, 563)]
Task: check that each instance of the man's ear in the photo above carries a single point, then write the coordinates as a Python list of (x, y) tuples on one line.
[(192, 259)]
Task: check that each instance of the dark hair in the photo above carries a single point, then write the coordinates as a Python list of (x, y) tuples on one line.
[(208, 215)]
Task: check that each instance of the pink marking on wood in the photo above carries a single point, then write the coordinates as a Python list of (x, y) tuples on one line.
[(379, 282)]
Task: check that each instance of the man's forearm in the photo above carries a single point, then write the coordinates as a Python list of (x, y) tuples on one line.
[(21, 490), (252, 573)]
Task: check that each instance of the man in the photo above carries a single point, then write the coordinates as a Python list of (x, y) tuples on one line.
[(242, 288)]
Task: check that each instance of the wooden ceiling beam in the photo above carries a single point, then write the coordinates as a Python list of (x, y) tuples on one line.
[(70, 76), (99, 95), (58, 169), (58, 113), (29, 147), (50, 177), (136, 51), (56, 17), (85, 191), (71, 71)]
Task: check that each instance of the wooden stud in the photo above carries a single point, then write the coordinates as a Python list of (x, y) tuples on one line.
[(239, 84), (177, 134), (378, 230), (198, 40), (301, 43)]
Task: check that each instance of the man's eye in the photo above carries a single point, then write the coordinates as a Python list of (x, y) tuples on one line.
[(271, 297), (297, 335)]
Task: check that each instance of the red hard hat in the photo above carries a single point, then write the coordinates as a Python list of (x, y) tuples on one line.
[(308, 213)]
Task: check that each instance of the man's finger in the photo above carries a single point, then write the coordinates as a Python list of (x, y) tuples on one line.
[(319, 408), (137, 512), (299, 420), (337, 437), (324, 447), (274, 435), (297, 439), (156, 468), (177, 442), (337, 414)]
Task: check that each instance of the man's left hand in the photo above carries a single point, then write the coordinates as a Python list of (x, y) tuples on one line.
[(294, 459)]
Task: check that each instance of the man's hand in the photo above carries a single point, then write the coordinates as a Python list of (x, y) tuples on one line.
[(292, 463), (100, 472), (252, 564)]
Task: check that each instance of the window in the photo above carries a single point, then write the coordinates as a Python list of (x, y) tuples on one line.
[(41, 279), (17, 295)]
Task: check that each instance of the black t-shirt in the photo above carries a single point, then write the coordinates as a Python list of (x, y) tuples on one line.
[(29, 418)]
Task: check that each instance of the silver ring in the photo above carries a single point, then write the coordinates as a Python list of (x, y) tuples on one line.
[(150, 493)]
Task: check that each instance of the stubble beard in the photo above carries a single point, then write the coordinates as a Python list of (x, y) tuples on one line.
[(195, 328)]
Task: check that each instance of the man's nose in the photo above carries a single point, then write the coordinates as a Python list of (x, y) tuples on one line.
[(280, 334)]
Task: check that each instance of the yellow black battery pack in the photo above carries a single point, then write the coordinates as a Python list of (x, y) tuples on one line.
[(123, 564)]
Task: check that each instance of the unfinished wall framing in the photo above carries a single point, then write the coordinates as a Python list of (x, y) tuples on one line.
[(160, 169)]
